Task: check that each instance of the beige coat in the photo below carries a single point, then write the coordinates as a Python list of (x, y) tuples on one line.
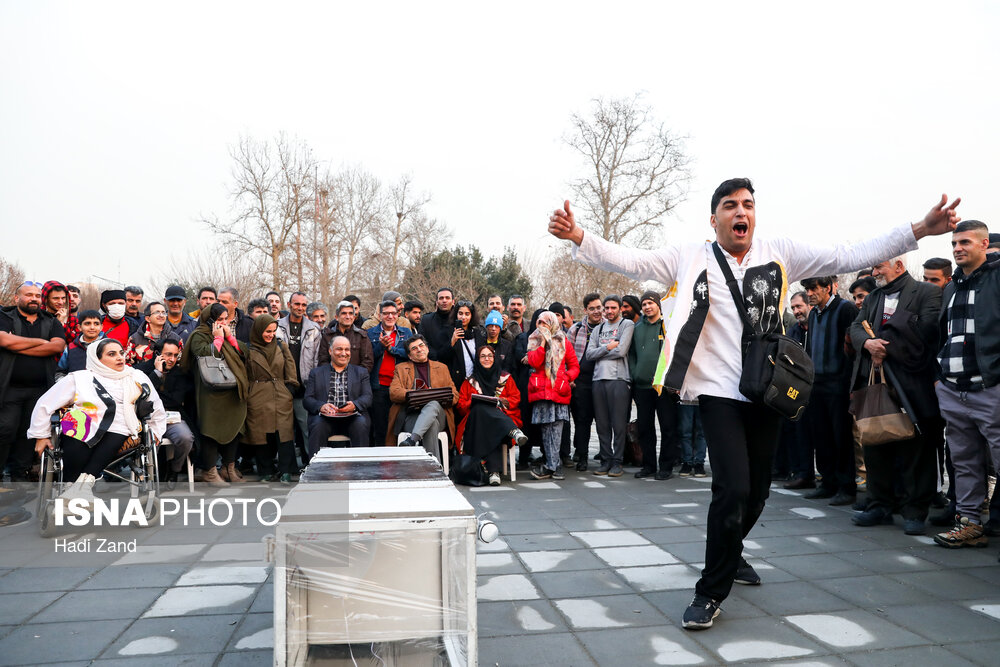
[(269, 404)]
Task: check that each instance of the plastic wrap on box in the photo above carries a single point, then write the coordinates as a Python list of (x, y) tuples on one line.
[(402, 593)]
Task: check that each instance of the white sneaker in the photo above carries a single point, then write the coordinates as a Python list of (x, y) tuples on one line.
[(82, 488), (494, 479)]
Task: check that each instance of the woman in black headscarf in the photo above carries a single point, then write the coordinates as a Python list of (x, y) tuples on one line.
[(221, 414), (488, 404), (270, 423)]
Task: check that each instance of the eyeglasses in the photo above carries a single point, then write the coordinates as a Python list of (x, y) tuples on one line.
[(485, 356)]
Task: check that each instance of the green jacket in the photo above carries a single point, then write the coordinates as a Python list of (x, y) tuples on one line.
[(647, 340), (221, 414)]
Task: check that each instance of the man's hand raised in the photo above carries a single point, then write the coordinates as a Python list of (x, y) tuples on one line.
[(563, 225), (939, 220)]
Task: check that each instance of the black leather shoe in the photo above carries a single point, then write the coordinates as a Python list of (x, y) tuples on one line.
[(800, 483), (663, 475), (843, 498), (582, 465), (644, 473), (876, 516), (820, 493)]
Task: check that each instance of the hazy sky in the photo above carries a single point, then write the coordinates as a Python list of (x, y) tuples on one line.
[(116, 118)]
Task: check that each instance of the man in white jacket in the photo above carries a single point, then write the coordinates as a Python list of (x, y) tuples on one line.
[(704, 342)]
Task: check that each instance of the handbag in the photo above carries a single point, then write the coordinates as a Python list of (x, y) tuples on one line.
[(215, 373), (418, 398), (777, 372), (878, 419), (468, 470)]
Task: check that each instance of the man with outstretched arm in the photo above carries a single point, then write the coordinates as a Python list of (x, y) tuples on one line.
[(703, 349)]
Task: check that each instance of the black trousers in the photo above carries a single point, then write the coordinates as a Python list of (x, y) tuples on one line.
[(830, 428), (79, 458), (380, 415), (581, 406), (16, 451), (649, 404), (911, 462), (321, 428), (741, 440), (212, 449)]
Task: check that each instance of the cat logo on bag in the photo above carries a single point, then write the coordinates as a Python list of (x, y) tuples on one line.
[(793, 393)]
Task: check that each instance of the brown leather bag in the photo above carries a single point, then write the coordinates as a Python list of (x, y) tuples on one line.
[(418, 398), (878, 418)]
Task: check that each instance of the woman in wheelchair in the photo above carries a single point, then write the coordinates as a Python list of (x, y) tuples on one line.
[(488, 405), (102, 407)]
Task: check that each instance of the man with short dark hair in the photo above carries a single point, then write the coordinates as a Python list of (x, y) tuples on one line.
[(73, 292), (412, 312), (581, 404), (31, 341), (937, 271), (388, 341), (356, 302), (703, 359), (183, 324), (258, 307), (240, 323), (631, 309), (206, 297), (304, 338), (652, 406), (55, 299), (423, 424), (795, 445), (343, 325), (567, 317), (828, 420), (133, 305), (969, 387), (338, 396), (608, 348), (435, 327), (515, 317), (273, 300), (903, 314), (861, 288), (174, 387)]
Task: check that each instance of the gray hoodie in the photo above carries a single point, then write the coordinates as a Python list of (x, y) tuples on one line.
[(613, 364)]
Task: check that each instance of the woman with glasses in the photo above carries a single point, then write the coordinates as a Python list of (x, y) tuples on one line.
[(466, 337), (488, 405), (141, 344)]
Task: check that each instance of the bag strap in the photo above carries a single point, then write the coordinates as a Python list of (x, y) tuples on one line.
[(733, 289)]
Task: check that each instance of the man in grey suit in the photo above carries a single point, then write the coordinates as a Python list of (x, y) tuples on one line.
[(338, 396), (903, 314)]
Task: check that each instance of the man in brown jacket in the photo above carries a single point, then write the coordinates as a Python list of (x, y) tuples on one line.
[(423, 425), (343, 325)]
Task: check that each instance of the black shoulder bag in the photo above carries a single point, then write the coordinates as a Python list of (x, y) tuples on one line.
[(777, 372)]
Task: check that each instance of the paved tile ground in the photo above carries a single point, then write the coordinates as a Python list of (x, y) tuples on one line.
[(587, 571)]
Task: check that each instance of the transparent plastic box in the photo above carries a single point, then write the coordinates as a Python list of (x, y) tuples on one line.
[(375, 563)]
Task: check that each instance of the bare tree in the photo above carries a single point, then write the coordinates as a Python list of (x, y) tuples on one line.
[(269, 201), (410, 219), (11, 277), (359, 215), (637, 171), (223, 266)]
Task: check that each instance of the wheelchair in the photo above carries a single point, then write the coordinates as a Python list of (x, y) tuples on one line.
[(139, 457)]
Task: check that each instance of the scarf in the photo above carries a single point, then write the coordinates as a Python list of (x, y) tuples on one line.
[(486, 378), (72, 326), (549, 335), (124, 379), (257, 337)]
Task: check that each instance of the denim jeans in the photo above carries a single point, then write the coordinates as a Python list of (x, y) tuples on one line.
[(692, 437)]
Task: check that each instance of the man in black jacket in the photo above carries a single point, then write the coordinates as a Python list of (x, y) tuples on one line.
[(903, 315), (434, 326), (31, 341), (828, 420), (239, 322), (969, 387), (174, 387)]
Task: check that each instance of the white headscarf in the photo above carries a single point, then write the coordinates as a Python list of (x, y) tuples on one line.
[(124, 379)]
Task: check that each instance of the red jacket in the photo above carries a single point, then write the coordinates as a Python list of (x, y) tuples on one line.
[(464, 404), (539, 387)]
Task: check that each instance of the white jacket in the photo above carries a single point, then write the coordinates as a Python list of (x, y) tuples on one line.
[(78, 392)]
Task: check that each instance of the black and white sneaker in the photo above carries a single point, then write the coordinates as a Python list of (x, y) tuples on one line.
[(558, 474), (746, 575), (541, 472), (701, 612)]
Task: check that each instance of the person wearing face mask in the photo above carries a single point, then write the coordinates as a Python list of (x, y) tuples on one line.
[(270, 416), (154, 330), (115, 324), (221, 414), (107, 402)]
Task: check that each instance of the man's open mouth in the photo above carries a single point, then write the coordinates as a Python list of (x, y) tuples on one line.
[(741, 228)]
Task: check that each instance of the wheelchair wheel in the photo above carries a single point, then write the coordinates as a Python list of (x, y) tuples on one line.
[(146, 484), (46, 486)]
